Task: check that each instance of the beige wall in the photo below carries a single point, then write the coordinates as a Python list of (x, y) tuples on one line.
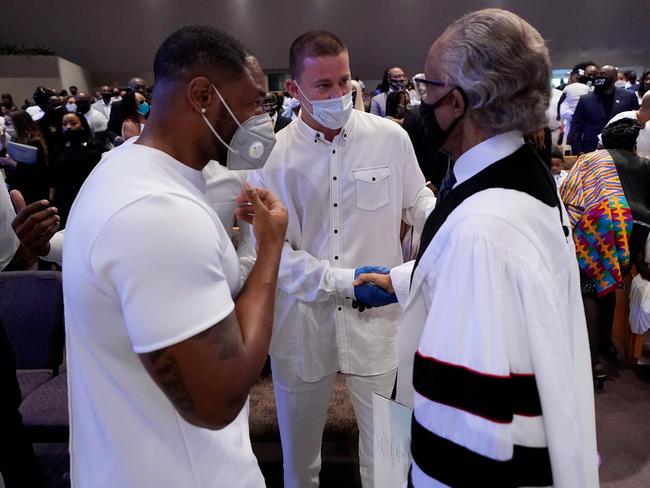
[(20, 75), (73, 74)]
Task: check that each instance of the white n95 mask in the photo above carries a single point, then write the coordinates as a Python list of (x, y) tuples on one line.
[(252, 142), (332, 113)]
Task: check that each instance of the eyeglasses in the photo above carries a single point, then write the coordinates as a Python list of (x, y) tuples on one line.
[(423, 83)]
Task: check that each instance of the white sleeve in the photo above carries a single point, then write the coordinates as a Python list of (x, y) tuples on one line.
[(56, 248), (312, 280), (400, 277), (301, 274), (245, 251), (647, 250), (165, 256), (416, 215), (8, 241)]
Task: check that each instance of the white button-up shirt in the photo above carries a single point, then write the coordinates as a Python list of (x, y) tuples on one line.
[(97, 121), (346, 199), (104, 108)]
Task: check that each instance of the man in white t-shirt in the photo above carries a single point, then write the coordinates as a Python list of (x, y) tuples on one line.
[(642, 116), (161, 355)]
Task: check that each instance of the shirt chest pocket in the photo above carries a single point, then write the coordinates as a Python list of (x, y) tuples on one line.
[(372, 187)]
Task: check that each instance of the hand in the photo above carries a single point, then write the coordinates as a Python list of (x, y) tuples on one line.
[(7, 163), (264, 211), (379, 279), (35, 224), (367, 293)]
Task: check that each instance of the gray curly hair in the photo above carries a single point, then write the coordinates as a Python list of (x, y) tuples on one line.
[(503, 65)]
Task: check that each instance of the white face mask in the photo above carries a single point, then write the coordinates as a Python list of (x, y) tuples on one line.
[(71, 107), (332, 113), (619, 83), (252, 142)]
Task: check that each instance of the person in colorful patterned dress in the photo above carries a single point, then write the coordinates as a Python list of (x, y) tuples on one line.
[(606, 196)]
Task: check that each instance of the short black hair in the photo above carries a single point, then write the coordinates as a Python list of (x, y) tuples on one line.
[(42, 95), (190, 50), (630, 76), (556, 152), (313, 44), (393, 100), (621, 134), (583, 66)]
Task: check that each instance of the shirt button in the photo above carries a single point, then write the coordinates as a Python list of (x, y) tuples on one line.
[(373, 178), (316, 141), (333, 151), (334, 178), (336, 204), (340, 309), (336, 257), (336, 231)]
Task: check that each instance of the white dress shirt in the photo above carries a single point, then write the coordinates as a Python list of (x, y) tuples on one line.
[(104, 108), (97, 121), (346, 199), (497, 293)]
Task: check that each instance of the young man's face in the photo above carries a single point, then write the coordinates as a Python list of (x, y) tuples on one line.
[(557, 165), (322, 78)]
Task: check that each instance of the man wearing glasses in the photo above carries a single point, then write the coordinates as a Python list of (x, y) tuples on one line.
[(494, 356)]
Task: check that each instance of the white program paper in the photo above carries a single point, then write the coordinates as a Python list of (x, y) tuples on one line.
[(392, 442)]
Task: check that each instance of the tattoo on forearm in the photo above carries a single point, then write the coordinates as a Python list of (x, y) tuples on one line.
[(170, 378)]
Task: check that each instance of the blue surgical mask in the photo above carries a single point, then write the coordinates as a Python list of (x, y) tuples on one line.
[(143, 108), (332, 113), (252, 142)]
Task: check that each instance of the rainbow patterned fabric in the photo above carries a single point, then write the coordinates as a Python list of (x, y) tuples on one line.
[(601, 218)]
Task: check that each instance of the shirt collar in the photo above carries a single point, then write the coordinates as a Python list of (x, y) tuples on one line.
[(486, 153), (316, 136)]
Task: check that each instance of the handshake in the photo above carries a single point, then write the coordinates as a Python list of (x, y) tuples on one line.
[(372, 287)]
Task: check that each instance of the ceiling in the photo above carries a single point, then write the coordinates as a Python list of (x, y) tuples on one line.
[(115, 39)]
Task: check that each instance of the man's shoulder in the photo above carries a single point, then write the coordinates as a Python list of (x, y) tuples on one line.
[(373, 125), (504, 218)]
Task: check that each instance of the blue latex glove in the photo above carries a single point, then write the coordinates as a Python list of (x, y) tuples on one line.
[(370, 295)]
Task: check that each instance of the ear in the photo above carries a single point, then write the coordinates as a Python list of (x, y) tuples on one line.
[(459, 104), (200, 94), (292, 88)]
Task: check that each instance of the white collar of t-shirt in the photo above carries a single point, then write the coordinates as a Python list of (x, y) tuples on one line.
[(486, 153)]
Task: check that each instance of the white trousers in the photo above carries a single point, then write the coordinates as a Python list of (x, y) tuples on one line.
[(302, 413)]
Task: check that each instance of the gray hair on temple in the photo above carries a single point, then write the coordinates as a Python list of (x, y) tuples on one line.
[(503, 65)]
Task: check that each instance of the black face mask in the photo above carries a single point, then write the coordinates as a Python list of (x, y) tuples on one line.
[(83, 107), (74, 137), (435, 134), (602, 84), (398, 85)]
